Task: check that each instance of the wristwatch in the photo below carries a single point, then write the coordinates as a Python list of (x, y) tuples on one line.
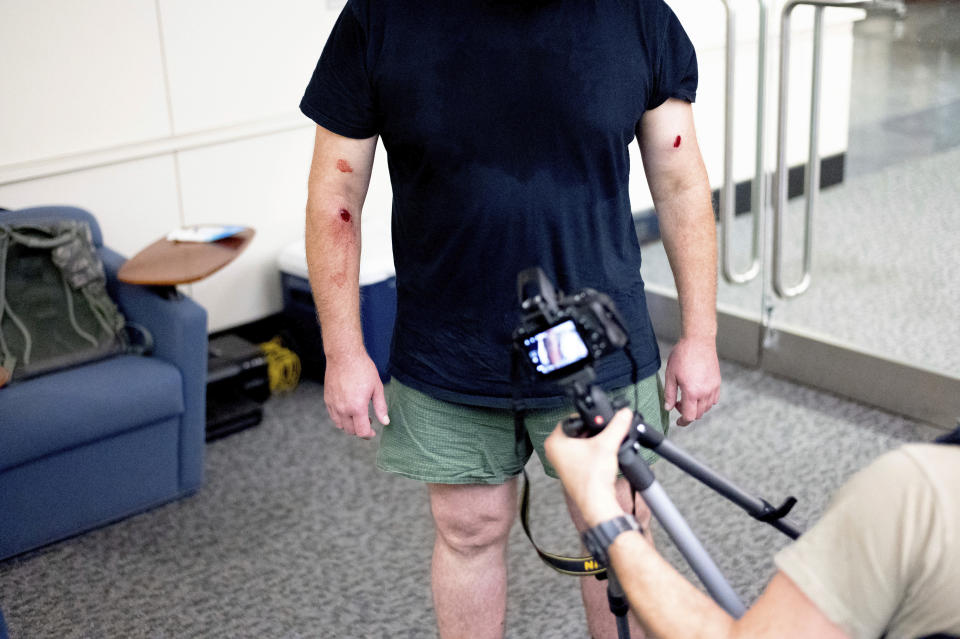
[(599, 538)]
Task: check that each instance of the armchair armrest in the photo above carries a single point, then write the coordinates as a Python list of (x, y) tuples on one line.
[(179, 329)]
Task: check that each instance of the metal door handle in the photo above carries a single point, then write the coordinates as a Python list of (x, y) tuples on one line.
[(812, 182), (728, 189), (758, 190)]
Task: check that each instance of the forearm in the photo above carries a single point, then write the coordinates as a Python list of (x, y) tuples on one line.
[(333, 261), (339, 178), (681, 195), (666, 603), (689, 238), (662, 599)]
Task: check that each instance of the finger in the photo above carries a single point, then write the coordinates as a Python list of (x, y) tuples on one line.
[(361, 426), (688, 410), (707, 403), (552, 437), (702, 407), (617, 429), (345, 423), (334, 417), (380, 405), (670, 391)]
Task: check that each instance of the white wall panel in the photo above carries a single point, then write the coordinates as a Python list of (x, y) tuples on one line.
[(135, 203), (78, 76), (261, 183), (242, 60)]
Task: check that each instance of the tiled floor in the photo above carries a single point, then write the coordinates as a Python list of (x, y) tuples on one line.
[(905, 100)]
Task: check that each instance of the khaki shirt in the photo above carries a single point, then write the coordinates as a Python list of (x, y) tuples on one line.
[(885, 557)]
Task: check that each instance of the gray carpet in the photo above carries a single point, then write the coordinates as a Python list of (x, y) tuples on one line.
[(296, 535)]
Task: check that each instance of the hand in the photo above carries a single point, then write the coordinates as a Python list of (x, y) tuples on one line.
[(588, 467), (351, 382), (693, 371)]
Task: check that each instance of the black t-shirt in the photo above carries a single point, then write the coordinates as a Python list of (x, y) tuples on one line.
[(507, 127)]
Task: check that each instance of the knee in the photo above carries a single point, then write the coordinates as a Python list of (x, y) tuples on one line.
[(470, 533)]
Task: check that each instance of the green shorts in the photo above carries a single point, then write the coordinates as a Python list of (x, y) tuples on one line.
[(446, 443)]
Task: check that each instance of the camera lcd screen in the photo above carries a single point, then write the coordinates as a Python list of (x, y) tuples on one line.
[(556, 348)]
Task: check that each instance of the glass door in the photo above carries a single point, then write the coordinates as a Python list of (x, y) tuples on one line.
[(859, 292)]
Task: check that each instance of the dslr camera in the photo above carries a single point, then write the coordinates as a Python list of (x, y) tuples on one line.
[(560, 337)]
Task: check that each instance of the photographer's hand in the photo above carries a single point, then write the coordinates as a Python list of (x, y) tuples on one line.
[(666, 603), (588, 467)]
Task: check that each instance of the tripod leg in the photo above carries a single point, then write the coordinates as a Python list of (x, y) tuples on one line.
[(692, 550), (619, 605), (641, 479)]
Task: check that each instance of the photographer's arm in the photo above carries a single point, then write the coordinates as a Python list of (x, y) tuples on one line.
[(681, 195), (664, 601), (339, 178), (669, 606)]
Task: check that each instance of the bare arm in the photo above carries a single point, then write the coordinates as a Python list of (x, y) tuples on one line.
[(670, 606), (681, 195), (665, 602), (339, 178)]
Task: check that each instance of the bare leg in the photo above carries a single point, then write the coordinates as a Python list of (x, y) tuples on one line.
[(469, 570), (600, 621)]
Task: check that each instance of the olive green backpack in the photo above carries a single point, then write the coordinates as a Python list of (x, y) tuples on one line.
[(54, 308)]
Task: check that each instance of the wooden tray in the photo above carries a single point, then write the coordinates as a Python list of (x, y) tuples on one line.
[(166, 263)]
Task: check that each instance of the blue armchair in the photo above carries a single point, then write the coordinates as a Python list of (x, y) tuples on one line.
[(85, 446)]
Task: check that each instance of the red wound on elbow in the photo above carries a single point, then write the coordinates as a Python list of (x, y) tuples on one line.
[(344, 167), (676, 143), (345, 215)]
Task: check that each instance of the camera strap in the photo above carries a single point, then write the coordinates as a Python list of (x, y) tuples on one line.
[(574, 566)]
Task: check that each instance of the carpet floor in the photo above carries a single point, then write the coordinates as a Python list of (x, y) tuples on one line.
[(295, 534)]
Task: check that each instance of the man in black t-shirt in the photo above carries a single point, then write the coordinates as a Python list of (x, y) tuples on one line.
[(507, 125)]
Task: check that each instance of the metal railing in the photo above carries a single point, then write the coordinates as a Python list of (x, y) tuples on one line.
[(728, 190), (812, 178)]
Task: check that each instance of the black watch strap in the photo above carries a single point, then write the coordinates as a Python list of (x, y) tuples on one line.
[(598, 539)]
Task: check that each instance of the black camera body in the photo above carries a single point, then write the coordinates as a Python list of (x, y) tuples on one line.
[(561, 336)]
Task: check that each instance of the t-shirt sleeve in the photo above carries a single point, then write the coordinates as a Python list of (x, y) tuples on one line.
[(340, 96), (855, 563), (674, 71)]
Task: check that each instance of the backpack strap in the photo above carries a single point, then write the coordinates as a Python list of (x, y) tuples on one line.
[(7, 360)]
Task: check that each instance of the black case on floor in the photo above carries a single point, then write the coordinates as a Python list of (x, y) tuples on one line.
[(237, 385)]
